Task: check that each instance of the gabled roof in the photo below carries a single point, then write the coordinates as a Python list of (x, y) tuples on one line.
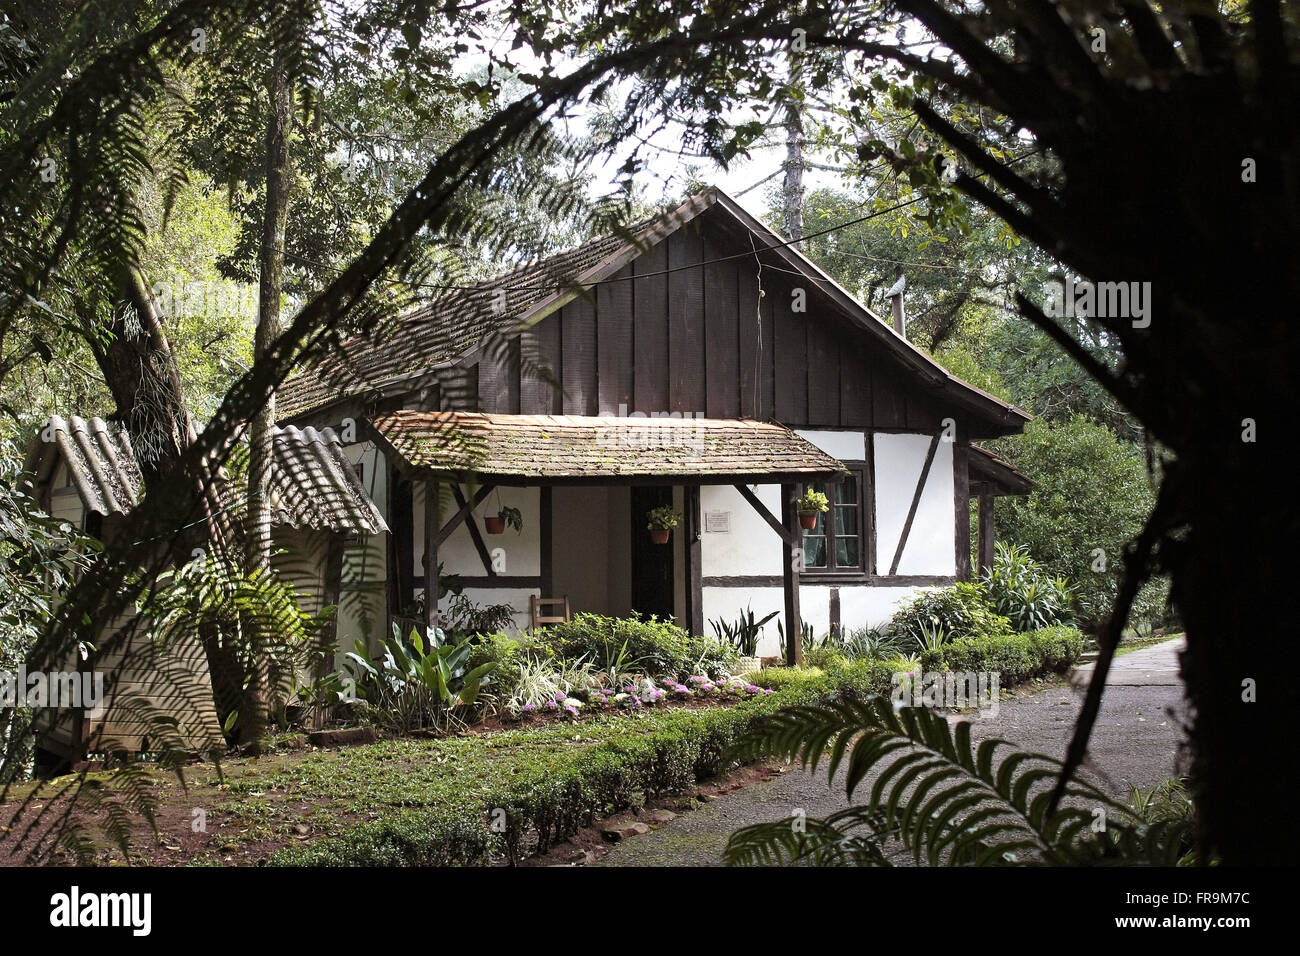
[(557, 449), (313, 485), (452, 329)]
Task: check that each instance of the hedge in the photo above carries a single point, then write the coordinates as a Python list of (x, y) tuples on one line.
[(540, 783), (1016, 658), (558, 778)]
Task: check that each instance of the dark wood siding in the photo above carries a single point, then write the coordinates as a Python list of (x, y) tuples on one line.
[(657, 337)]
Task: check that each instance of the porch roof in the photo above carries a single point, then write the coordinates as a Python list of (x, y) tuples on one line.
[(566, 449)]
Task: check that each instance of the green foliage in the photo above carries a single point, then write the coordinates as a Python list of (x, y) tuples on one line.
[(254, 616), (1021, 590), (40, 557), (513, 517), (1015, 657), (663, 518), (466, 617), (742, 634), (958, 611), (1092, 497), (812, 501), (658, 647), (949, 801), (409, 688), (546, 780)]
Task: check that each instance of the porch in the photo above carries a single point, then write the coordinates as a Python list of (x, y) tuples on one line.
[(591, 481)]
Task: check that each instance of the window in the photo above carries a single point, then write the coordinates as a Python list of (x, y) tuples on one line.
[(837, 542)]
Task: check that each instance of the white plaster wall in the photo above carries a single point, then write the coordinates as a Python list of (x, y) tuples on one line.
[(729, 603), (860, 606), (374, 472), (931, 543), (846, 446), (457, 555), (751, 546)]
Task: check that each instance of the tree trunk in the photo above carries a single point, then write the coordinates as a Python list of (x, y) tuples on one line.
[(792, 188), (257, 551)]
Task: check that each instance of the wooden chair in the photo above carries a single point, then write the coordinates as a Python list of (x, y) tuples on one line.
[(538, 604)]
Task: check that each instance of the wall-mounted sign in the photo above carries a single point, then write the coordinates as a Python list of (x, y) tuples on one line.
[(717, 522)]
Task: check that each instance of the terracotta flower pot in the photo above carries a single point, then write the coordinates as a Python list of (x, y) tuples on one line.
[(495, 524), (659, 535), (808, 520)]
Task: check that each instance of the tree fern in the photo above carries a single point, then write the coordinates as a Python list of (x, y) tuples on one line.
[(945, 798)]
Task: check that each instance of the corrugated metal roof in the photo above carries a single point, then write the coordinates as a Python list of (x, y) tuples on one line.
[(100, 461), (584, 449), (313, 483)]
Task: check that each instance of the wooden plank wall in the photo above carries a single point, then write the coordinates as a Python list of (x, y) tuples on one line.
[(663, 337)]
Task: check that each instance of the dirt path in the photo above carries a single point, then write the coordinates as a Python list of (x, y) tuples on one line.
[(1135, 742)]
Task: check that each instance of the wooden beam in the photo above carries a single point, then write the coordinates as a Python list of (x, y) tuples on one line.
[(694, 587), (462, 514), (986, 533), (547, 575), (472, 525), (791, 562), (763, 513), (961, 509), (916, 500), (431, 542)]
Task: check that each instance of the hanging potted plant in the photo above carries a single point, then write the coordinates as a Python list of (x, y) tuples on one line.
[(662, 520), (810, 505), (496, 524)]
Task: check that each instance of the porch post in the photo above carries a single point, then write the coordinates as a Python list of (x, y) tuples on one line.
[(791, 562), (430, 557), (546, 546), (985, 532), (694, 588)]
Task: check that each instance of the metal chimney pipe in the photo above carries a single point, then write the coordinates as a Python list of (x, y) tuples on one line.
[(895, 295)]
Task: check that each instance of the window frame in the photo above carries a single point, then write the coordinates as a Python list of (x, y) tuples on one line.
[(865, 566)]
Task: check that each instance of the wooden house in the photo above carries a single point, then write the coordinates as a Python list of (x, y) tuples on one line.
[(699, 361)]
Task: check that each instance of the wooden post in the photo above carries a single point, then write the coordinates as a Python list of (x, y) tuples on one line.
[(430, 558), (547, 575), (985, 533), (791, 563), (694, 580)]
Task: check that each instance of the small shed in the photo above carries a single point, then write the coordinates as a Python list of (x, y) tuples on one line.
[(84, 471)]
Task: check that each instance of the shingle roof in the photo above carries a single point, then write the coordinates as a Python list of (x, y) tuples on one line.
[(447, 327), (313, 483), (589, 450), (1002, 477)]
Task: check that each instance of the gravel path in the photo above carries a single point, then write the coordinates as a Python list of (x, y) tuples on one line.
[(1135, 741)]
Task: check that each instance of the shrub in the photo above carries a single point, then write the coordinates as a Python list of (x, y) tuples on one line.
[(959, 611), (1020, 589), (1092, 492), (655, 646), (1016, 657), (531, 781)]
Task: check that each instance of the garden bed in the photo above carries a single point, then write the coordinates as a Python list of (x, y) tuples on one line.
[(487, 795)]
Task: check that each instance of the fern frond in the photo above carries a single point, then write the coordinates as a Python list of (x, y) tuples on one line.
[(948, 800)]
